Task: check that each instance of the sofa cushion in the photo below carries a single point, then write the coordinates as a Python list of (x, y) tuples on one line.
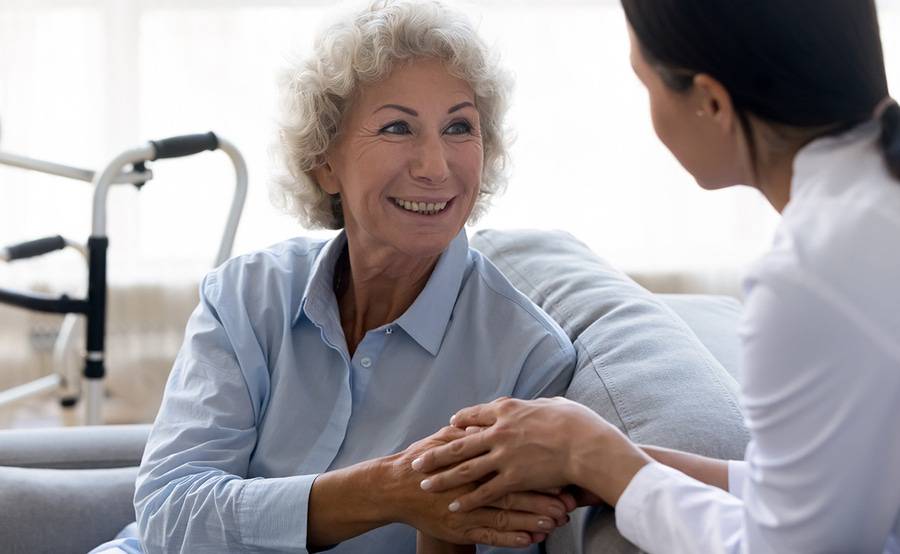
[(63, 510), (640, 365), (714, 319)]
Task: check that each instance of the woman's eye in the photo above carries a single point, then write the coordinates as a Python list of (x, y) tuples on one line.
[(459, 128), (396, 128)]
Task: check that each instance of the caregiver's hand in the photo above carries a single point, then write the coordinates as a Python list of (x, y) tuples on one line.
[(513, 520), (530, 445)]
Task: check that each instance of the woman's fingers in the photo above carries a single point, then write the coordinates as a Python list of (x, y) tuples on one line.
[(568, 499), (512, 521), (506, 539), (535, 503), (468, 446)]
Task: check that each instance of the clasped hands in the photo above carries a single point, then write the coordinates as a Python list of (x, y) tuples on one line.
[(500, 486), (517, 519), (508, 446)]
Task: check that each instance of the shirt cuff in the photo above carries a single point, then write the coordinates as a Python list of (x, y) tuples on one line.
[(633, 501), (273, 513), (737, 475)]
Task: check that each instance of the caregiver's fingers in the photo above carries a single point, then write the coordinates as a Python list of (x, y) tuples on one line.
[(469, 471), (482, 415), (451, 453), (448, 433), (486, 494)]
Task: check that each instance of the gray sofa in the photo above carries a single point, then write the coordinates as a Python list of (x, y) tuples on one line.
[(663, 368)]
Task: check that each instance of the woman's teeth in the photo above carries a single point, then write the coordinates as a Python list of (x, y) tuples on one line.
[(426, 208)]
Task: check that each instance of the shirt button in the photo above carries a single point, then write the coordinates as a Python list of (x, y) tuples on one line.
[(366, 362), (389, 330)]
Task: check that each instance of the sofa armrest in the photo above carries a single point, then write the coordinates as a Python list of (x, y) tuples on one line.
[(67, 489), (63, 510), (105, 446)]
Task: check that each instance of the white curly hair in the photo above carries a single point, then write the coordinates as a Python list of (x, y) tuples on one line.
[(363, 48)]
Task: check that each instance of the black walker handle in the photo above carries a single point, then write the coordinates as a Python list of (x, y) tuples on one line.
[(36, 247), (184, 145), (44, 303)]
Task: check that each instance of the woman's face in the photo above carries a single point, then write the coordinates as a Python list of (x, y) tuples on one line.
[(407, 160), (698, 126)]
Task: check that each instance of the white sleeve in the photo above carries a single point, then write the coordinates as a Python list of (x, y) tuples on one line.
[(820, 393), (664, 511), (737, 475)]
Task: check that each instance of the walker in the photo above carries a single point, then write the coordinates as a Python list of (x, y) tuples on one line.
[(129, 167)]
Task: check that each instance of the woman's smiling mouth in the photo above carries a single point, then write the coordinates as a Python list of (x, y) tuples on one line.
[(420, 207)]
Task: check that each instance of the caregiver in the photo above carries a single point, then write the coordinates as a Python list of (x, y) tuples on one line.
[(791, 98)]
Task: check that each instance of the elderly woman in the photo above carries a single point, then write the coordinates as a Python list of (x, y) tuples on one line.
[(310, 370)]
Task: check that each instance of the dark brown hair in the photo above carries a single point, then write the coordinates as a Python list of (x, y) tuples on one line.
[(814, 64)]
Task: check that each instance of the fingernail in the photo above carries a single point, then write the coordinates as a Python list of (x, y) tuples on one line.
[(452, 419), (417, 464), (522, 540), (556, 512), (425, 484), (545, 524), (454, 506)]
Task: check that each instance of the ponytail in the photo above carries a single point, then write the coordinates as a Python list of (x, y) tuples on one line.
[(889, 114)]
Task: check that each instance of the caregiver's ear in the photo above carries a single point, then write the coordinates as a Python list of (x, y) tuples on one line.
[(714, 101)]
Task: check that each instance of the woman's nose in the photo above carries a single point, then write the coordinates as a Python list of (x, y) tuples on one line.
[(430, 162)]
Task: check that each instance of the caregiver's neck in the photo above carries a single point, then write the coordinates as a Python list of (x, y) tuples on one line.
[(774, 181), (778, 147)]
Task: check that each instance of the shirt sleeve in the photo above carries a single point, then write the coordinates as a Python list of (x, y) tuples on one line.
[(737, 473), (192, 492), (816, 391), (547, 370), (664, 510)]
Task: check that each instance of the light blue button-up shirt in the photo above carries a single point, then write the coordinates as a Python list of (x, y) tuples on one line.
[(264, 395)]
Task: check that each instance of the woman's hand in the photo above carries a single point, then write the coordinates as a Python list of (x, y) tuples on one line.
[(530, 445), (429, 545), (514, 520)]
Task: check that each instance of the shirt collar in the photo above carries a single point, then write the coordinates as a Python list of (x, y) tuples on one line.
[(318, 301), (425, 321), (817, 162)]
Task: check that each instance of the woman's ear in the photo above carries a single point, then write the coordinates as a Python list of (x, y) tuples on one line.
[(326, 178), (714, 102)]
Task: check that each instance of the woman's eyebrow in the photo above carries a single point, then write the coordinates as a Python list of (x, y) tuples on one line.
[(403, 109), (414, 113), (460, 106)]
